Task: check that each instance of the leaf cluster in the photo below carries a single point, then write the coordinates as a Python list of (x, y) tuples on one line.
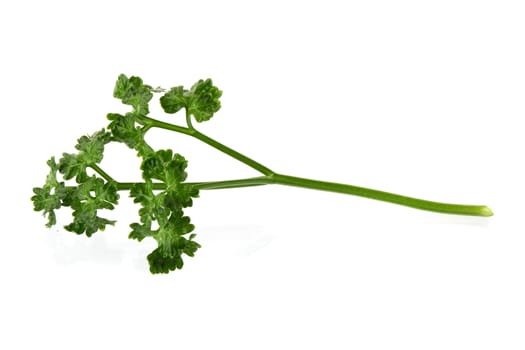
[(88, 196), (201, 101), (164, 211), (162, 196)]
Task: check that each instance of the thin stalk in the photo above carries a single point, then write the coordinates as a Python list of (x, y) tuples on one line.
[(219, 185), (102, 173), (209, 185), (126, 186), (188, 120), (233, 153), (153, 123), (447, 208), (270, 177)]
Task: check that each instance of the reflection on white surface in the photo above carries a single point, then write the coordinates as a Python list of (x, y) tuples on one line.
[(70, 250), (236, 240)]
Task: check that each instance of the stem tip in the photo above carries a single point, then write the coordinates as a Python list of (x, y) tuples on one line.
[(486, 211)]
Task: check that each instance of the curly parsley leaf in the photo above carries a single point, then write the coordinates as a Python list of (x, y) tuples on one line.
[(49, 197), (85, 200), (164, 210), (204, 100), (174, 100), (201, 101), (168, 255), (91, 194), (124, 129), (132, 91), (165, 166), (91, 152)]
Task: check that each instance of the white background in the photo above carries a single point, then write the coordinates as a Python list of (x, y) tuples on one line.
[(423, 98)]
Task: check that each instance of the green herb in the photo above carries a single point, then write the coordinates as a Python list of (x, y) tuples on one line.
[(164, 193)]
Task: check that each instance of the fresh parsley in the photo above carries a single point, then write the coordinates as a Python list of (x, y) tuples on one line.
[(164, 193)]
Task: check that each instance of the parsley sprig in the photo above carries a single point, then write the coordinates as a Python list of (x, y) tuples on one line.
[(164, 193)]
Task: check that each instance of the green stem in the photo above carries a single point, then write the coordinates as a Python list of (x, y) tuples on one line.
[(270, 177), (447, 208), (188, 120), (460, 209), (102, 173), (219, 185), (233, 153), (153, 123), (209, 185), (126, 186)]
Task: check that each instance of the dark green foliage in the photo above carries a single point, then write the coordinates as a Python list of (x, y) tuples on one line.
[(201, 101), (91, 152), (133, 92), (85, 200), (204, 100), (174, 100), (165, 211), (161, 211), (50, 196), (125, 129), (89, 195)]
